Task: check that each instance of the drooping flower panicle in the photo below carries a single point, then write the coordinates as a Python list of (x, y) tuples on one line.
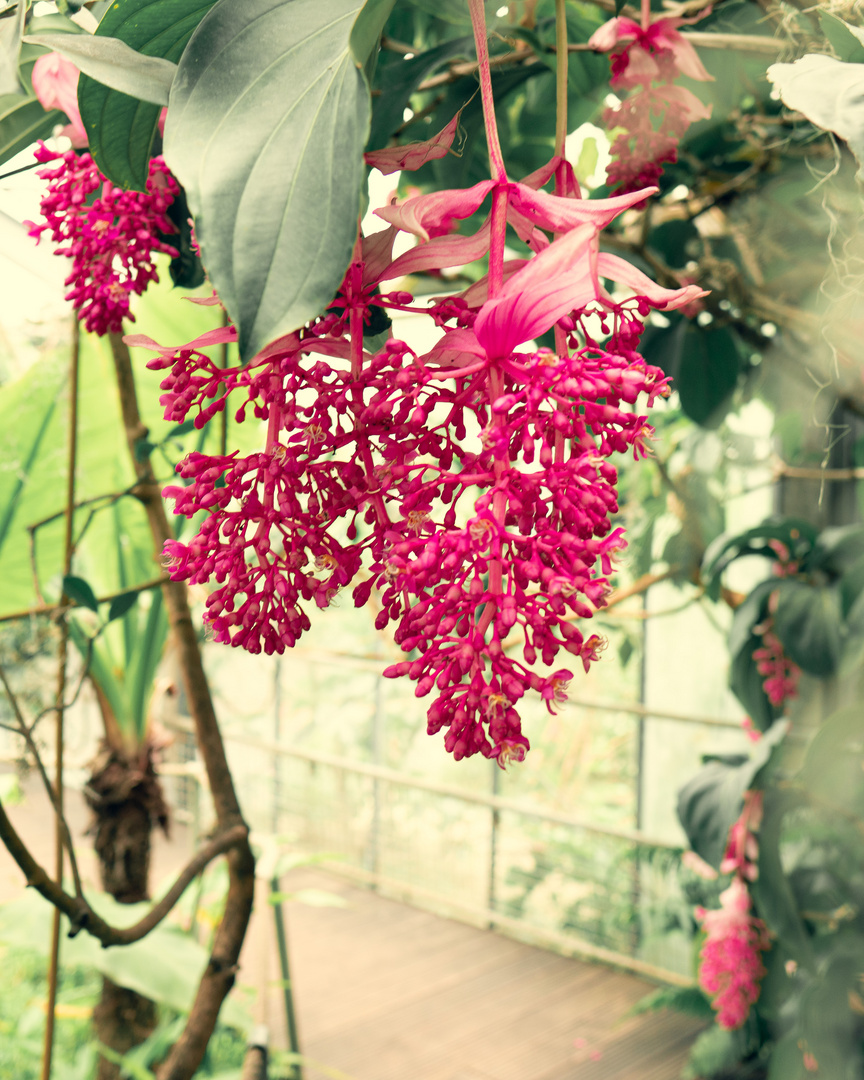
[(647, 60), (470, 486), (110, 235)]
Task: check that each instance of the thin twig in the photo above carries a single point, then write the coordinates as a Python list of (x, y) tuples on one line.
[(62, 837), (53, 609), (25, 730)]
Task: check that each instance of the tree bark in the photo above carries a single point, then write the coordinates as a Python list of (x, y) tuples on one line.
[(219, 975), (126, 799)]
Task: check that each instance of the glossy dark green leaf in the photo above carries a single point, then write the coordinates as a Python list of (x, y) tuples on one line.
[(709, 804), (674, 241), (807, 622), (22, 122), (397, 80), (80, 591), (708, 373), (837, 549), (265, 130), (846, 41), (746, 683), (112, 62), (122, 128), (121, 604)]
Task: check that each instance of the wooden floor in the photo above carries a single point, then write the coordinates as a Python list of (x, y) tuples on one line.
[(387, 992)]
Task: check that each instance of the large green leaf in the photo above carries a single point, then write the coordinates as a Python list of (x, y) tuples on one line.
[(22, 122), (266, 127), (709, 804), (122, 128), (808, 623), (164, 966)]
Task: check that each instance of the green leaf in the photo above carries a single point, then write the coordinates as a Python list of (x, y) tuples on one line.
[(709, 804), (797, 535), (684, 999), (79, 590), (11, 31), (121, 604), (22, 122), (265, 130), (771, 892), (165, 966), (808, 623), (122, 128), (846, 41), (715, 1052), (397, 81), (708, 373), (112, 62), (366, 33), (832, 767)]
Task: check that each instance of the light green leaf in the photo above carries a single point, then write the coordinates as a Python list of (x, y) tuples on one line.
[(829, 93), (11, 31), (847, 41), (112, 62), (122, 128), (266, 127), (366, 33)]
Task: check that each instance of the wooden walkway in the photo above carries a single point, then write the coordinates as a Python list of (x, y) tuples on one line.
[(387, 992)]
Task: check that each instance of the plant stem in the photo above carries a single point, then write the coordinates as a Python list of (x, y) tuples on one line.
[(646, 14), (59, 823), (478, 22), (562, 58), (218, 978)]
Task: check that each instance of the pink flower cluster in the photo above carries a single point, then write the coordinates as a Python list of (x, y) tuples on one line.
[(782, 675), (470, 485), (731, 963), (111, 235), (657, 115)]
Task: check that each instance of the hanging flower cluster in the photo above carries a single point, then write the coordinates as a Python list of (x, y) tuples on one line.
[(110, 235), (471, 486), (731, 965), (647, 59)]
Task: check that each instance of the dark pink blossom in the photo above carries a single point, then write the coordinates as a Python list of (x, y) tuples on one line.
[(110, 235)]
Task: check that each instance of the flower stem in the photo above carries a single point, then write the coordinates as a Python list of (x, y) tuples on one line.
[(646, 14), (478, 22), (561, 64)]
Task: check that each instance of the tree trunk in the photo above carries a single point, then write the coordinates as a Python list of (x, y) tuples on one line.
[(126, 798)]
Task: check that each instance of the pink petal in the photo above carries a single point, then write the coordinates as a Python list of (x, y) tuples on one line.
[(686, 58), (547, 287), (457, 348), (219, 336), (434, 214), (559, 215), (624, 273), (684, 100), (412, 155), (377, 254), (439, 253), (55, 84), (610, 33)]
